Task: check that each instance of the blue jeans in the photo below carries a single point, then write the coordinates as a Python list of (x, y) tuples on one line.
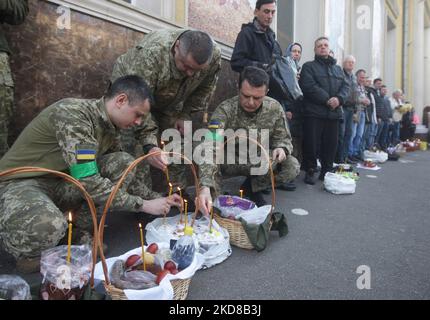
[(395, 133), (357, 135), (343, 149), (382, 135), (369, 136)]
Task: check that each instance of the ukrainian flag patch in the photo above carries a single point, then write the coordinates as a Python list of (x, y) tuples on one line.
[(85, 154), (214, 125)]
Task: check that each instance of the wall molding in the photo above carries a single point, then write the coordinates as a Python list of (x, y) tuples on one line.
[(124, 14)]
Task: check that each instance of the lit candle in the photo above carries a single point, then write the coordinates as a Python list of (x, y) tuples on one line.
[(69, 239), (210, 220), (182, 205), (143, 248), (186, 212), (170, 189), (241, 193)]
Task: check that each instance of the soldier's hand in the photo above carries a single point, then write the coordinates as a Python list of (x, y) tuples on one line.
[(279, 155), (205, 201), (160, 206), (289, 115), (158, 161), (180, 126)]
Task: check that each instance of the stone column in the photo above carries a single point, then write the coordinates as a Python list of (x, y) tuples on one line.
[(417, 78), (426, 68)]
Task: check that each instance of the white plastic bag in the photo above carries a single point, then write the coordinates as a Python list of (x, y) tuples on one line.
[(377, 157), (338, 184), (214, 251), (13, 287), (256, 215), (164, 291)]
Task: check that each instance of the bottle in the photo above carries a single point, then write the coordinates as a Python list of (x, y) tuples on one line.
[(184, 249)]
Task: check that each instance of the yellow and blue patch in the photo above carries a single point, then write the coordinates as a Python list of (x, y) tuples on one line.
[(214, 125), (85, 154)]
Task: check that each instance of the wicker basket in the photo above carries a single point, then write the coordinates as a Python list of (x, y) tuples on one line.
[(180, 286), (86, 195), (238, 236)]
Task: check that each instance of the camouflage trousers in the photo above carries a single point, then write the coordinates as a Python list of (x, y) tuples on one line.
[(33, 211), (285, 171), (6, 101)]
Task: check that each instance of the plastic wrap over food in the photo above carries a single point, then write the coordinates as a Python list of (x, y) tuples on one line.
[(232, 206), (214, 246), (13, 287), (55, 269)]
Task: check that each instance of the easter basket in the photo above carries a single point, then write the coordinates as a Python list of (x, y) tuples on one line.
[(170, 287), (180, 286), (53, 259), (238, 236)]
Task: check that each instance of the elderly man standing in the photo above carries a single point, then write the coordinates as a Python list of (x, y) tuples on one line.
[(251, 110), (11, 12), (325, 90), (181, 68), (345, 127)]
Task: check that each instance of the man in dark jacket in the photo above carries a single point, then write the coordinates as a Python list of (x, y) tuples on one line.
[(256, 46), (256, 43), (11, 12), (384, 114), (325, 90)]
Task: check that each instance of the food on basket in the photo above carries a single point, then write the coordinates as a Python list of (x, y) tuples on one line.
[(231, 206), (161, 276), (369, 164), (134, 280), (170, 265), (132, 260), (184, 249), (152, 248)]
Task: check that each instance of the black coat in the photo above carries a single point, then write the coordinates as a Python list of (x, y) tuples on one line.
[(321, 80), (254, 47)]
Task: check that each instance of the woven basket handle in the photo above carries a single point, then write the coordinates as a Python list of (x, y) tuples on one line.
[(272, 176), (118, 186), (84, 192)]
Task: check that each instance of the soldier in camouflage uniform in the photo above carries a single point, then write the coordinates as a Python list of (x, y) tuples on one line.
[(250, 110), (181, 67), (80, 137), (11, 12)]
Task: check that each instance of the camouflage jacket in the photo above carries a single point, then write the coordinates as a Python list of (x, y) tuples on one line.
[(53, 138), (176, 95), (11, 12), (230, 115)]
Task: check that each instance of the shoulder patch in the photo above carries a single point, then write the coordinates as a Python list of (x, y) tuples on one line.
[(214, 124), (85, 152)]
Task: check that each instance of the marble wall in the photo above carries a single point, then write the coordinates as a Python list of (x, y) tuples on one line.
[(50, 64)]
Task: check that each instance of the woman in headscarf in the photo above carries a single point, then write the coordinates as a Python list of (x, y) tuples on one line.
[(293, 107)]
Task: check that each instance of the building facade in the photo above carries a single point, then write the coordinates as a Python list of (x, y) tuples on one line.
[(66, 48)]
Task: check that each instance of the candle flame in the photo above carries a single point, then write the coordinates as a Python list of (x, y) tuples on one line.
[(170, 185), (185, 201), (179, 189), (140, 225), (70, 216)]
